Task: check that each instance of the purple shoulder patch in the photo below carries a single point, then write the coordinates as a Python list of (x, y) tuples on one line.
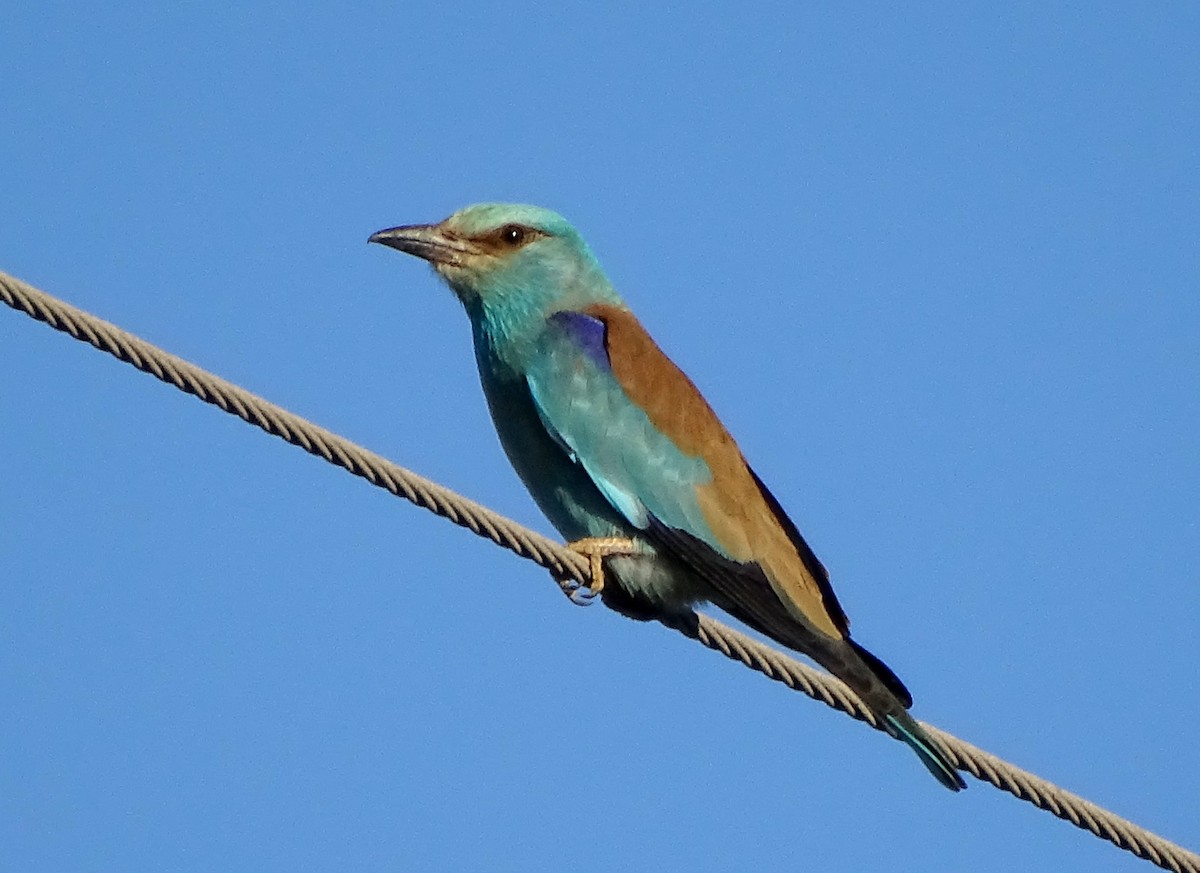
[(588, 332)]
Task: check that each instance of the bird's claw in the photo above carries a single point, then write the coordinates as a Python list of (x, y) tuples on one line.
[(578, 594), (595, 549)]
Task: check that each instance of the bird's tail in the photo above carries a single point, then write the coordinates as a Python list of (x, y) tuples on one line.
[(890, 703), (872, 680), (905, 728)]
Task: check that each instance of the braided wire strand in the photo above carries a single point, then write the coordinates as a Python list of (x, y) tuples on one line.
[(564, 563)]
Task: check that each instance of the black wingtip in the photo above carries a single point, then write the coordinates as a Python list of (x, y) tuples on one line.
[(884, 674)]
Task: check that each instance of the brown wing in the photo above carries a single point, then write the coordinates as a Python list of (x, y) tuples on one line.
[(749, 524)]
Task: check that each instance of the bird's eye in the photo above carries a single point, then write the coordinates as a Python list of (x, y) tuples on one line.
[(513, 235)]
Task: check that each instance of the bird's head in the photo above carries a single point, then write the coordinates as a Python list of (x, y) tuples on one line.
[(497, 255)]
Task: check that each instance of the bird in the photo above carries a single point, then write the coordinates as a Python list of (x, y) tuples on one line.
[(625, 457)]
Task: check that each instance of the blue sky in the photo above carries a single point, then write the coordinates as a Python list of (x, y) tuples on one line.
[(936, 268)]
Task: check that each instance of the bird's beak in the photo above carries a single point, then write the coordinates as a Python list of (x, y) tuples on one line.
[(427, 241)]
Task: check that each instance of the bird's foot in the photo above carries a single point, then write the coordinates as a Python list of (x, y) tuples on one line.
[(595, 549)]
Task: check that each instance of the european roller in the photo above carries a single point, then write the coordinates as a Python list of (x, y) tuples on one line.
[(626, 458)]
